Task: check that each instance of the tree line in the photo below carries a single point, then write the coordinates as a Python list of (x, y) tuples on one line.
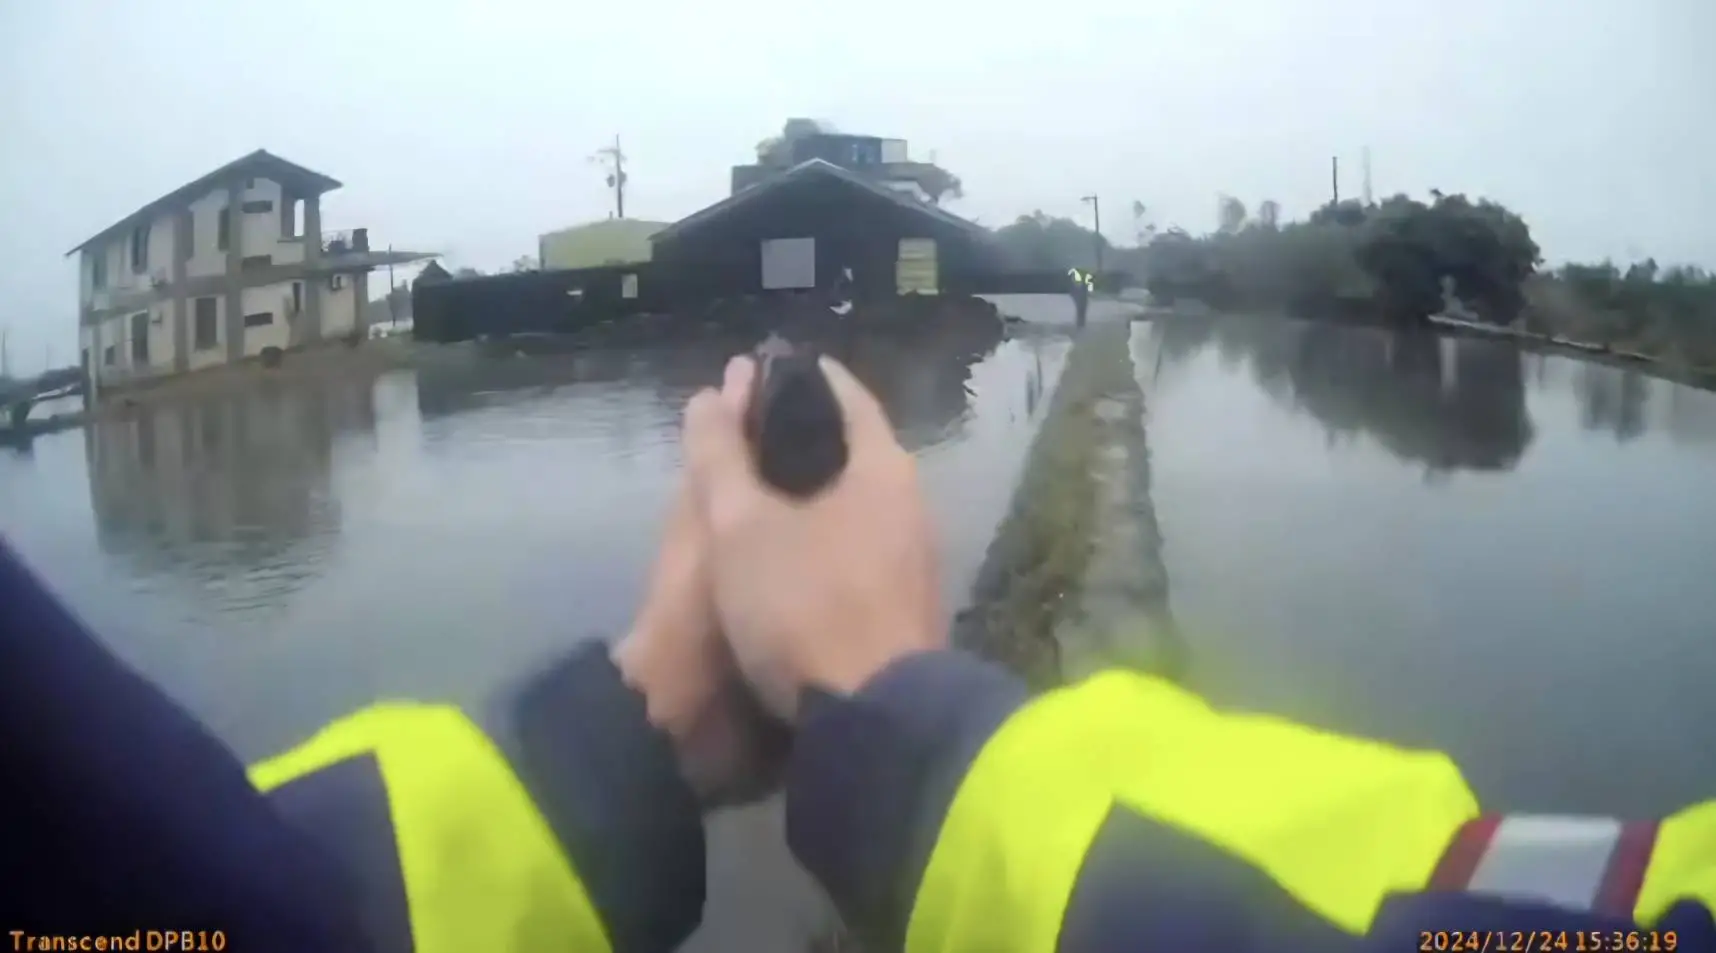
[(1398, 261)]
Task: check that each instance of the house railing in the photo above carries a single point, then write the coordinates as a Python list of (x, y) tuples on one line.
[(349, 241)]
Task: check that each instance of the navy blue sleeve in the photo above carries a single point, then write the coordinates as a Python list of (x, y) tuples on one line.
[(874, 774), (123, 812)]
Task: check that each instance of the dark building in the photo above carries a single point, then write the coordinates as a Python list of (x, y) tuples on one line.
[(802, 228)]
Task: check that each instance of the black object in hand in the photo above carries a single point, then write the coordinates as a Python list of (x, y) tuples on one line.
[(796, 432)]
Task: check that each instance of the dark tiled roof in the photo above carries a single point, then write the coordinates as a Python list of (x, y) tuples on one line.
[(259, 163), (817, 168)]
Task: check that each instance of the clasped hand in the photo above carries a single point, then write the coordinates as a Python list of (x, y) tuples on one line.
[(751, 588)]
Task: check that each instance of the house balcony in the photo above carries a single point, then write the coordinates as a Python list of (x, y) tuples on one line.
[(350, 241), (349, 250)]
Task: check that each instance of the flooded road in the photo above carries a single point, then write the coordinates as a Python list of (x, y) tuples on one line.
[(1442, 543), (280, 557), (1431, 541)]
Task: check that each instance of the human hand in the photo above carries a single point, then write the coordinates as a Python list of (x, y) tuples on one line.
[(675, 657), (824, 592)]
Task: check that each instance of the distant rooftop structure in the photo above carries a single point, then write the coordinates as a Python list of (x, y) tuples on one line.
[(818, 168), (881, 159)]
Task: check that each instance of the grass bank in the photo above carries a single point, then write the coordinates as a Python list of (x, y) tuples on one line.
[(1031, 575), (1032, 588)]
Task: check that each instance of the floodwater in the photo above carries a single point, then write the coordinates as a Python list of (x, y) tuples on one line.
[(279, 557), (1435, 542), (1445, 543)]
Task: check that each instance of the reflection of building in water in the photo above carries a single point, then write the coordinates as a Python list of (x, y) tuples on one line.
[(920, 376), (233, 479)]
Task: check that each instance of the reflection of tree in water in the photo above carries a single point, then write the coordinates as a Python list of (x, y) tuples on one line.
[(1445, 402), (1612, 399), (227, 481), (921, 376)]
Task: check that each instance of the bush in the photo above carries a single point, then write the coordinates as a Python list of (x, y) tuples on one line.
[(1394, 260)]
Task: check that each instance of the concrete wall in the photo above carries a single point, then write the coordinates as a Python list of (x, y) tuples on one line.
[(121, 280), (274, 300), (113, 337), (160, 335), (339, 308), (207, 356), (206, 258)]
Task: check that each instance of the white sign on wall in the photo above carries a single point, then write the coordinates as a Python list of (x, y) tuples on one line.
[(789, 263)]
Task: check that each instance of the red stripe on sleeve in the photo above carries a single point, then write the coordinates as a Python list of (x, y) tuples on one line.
[(1625, 874), (1454, 871)]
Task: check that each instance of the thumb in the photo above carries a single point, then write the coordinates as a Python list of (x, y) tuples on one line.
[(717, 457)]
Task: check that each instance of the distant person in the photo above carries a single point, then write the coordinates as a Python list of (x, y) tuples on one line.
[(941, 806), (841, 294), (1081, 284)]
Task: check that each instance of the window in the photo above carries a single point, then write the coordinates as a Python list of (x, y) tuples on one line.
[(140, 249), (291, 217), (223, 229), (251, 262), (259, 205), (140, 339), (336, 282), (297, 297), (110, 355), (98, 270), (261, 319), (207, 321)]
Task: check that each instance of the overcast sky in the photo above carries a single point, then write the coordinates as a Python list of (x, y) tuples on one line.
[(467, 128)]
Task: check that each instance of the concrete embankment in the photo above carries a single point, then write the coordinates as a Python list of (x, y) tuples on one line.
[(1074, 580)]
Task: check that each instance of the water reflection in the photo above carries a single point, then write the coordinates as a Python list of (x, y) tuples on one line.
[(922, 378), (1612, 399), (1338, 588), (1448, 404), (236, 481), (277, 558)]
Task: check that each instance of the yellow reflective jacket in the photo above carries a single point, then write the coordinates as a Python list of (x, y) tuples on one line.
[(1124, 813), (944, 811), (560, 824)]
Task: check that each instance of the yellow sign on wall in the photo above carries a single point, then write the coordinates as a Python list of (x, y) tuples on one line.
[(917, 271)]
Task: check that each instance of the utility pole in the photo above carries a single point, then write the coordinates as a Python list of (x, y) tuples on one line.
[(1335, 178), (616, 175), (1096, 211), (392, 305), (1366, 169)]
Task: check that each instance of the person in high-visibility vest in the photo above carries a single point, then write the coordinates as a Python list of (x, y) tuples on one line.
[(942, 808), (1082, 285)]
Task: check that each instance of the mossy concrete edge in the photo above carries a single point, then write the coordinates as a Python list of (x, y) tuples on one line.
[(1034, 570), (1120, 615)]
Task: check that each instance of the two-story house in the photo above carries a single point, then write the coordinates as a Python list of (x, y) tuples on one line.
[(219, 270), (886, 162)]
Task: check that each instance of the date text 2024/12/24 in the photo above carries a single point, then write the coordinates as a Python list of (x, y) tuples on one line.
[(1548, 941)]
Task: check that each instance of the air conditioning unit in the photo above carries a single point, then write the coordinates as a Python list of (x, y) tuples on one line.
[(158, 278)]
